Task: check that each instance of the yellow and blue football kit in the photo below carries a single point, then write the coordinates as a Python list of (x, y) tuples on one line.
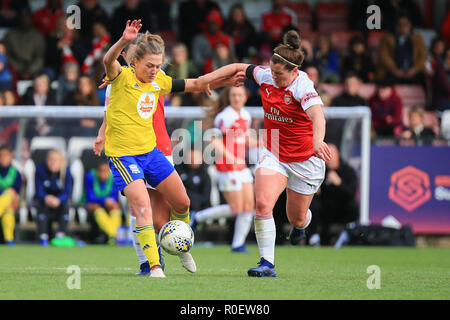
[(131, 142), (130, 139)]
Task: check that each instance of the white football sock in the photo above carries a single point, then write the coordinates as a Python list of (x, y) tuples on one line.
[(214, 213), (241, 228), (265, 236), (139, 252)]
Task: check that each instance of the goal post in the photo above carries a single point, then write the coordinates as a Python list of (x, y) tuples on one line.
[(360, 113)]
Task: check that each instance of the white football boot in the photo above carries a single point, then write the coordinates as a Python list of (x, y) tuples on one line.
[(157, 272), (188, 262)]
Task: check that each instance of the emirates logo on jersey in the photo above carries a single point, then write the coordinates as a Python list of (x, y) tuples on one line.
[(287, 98), (146, 105)]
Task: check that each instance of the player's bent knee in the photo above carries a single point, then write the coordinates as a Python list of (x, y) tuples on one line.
[(263, 206), (182, 205)]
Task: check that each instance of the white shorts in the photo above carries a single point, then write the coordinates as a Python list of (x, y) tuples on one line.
[(233, 180), (304, 177), (170, 158)]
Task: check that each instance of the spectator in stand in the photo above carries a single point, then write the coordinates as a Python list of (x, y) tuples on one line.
[(85, 95), (387, 108), (417, 130), (129, 10), (53, 183), (335, 202), (445, 29), (222, 56), (101, 199), (46, 18), (313, 73), (6, 78), (308, 50), (205, 44), (67, 82), (181, 67), (357, 15), (192, 18), (195, 177), (239, 27), (91, 12), (64, 45), (392, 9), (159, 14), (276, 20), (10, 98), (326, 59), (440, 83), (402, 55), (10, 12), (26, 47), (349, 98), (436, 55), (100, 43), (358, 60), (10, 183), (40, 94)]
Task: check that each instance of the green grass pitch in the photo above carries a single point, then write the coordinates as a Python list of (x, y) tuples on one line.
[(33, 272)]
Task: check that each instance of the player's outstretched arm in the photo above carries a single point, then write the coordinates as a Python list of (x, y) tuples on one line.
[(318, 119), (222, 73), (235, 80), (112, 66)]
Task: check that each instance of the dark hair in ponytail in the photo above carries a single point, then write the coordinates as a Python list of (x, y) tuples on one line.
[(289, 52)]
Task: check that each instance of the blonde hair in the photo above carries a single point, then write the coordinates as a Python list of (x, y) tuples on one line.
[(62, 170), (149, 43)]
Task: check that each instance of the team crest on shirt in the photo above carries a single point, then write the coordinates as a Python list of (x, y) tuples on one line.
[(146, 105), (287, 98)]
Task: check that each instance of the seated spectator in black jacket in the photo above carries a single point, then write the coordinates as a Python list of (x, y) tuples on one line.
[(416, 130), (196, 180), (40, 94), (335, 201), (348, 98), (53, 183), (358, 60)]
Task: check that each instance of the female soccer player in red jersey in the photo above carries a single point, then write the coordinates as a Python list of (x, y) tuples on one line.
[(294, 152), (235, 180)]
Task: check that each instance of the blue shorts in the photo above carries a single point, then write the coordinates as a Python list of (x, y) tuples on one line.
[(153, 167)]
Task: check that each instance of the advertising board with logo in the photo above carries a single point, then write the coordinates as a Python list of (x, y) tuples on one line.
[(412, 184)]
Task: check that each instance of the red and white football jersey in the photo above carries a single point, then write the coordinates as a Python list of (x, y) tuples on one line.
[(284, 110), (234, 127)]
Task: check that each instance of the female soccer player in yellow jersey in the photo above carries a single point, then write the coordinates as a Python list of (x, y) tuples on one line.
[(130, 139), (160, 207)]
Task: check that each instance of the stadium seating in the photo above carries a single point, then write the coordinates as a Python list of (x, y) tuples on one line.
[(412, 95), (304, 14), (340, 40), (332, 16), (312, 36)]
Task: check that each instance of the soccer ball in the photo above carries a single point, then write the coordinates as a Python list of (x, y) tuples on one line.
[(176, 237)]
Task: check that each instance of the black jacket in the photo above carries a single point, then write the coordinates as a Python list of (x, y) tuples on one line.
[(197, 183)]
